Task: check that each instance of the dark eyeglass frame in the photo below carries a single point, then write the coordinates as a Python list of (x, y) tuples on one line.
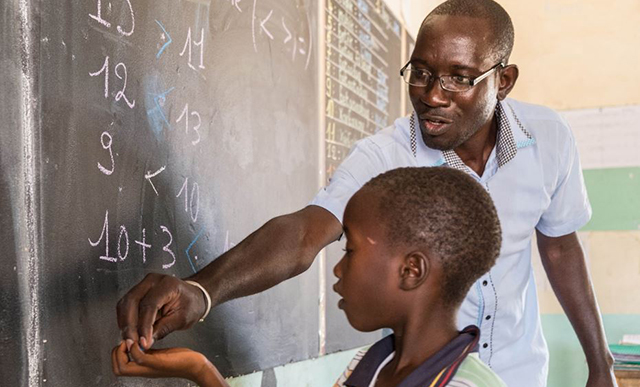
[(472, 80)]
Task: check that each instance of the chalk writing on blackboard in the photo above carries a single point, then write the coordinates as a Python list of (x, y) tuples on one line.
[(187, 251), (99, 19), (185, 115), (123, 242), (120, 94), (123, 232), (301, 43), (189, 200), (144, 245), (167, 248), (114, 79), (236, 3), (104, 233), (166, 37), (104, 69), (107, 146), (150, 175), (189, 43)]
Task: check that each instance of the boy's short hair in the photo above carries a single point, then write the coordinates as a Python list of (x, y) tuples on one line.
[(446, 212)]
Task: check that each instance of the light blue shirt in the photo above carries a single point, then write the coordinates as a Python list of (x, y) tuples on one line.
[(534, 177)]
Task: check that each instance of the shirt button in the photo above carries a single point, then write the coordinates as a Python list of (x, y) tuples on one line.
[(485, 345), (485, 283), (488, 317)]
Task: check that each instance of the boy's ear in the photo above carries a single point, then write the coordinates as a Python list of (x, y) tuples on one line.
[(414, 270)]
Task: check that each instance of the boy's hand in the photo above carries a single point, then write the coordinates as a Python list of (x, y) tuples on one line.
[(165, 363)]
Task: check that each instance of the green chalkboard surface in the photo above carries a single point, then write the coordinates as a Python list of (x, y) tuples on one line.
[(149, 136), (145, 136)]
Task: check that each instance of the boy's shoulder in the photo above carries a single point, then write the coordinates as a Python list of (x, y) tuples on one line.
[(474, 373), (471, 373)]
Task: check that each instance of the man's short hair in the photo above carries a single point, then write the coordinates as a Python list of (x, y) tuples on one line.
[(447, 213), (498, 19)]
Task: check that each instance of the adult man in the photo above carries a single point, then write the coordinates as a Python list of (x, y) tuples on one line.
[(525, 157)]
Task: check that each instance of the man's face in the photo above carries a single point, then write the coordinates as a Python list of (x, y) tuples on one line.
[(366, 280), (453, 45)]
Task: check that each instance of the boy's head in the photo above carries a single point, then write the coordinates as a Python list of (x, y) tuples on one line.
[(414, 235)]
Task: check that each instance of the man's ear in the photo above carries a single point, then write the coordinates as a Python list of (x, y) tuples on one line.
[(414, 270), (508, 78)]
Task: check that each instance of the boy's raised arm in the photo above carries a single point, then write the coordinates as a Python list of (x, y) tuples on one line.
[(283, 248)]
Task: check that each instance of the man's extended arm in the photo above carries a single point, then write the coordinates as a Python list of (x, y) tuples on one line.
[(283, 248), (564, 262)]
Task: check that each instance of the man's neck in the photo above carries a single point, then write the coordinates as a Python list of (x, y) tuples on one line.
[(476, 150)]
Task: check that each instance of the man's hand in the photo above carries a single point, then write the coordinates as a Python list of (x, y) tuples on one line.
[(283, 248), (165, 363), (157, 306)]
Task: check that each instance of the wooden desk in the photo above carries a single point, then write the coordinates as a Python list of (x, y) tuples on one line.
[(627, 378)]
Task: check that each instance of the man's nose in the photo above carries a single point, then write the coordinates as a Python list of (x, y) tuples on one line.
[(434, 95)]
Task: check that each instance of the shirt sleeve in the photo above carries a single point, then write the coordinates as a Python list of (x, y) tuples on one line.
[(362, 164), (569, 208)]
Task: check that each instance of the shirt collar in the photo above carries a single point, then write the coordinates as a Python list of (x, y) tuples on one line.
[(507, 144), (425, 373)]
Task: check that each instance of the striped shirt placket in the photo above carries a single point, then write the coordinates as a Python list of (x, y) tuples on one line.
[(506, 150)]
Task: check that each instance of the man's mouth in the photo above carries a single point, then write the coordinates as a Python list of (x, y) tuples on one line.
[(435, 125)]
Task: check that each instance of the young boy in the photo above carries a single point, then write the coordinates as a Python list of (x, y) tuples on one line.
[(408, 270)]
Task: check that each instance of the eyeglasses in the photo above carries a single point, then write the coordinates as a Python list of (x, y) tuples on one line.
[(453, 83)]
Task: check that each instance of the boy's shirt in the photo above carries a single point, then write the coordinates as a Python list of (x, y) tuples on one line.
[(455, 365)]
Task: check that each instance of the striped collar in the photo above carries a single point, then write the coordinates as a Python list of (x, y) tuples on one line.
[(507, 144), (430, 372)]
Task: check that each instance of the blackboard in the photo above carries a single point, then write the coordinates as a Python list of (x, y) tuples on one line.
[(151, 136), (410, 44), (162, 132), (363, 56)]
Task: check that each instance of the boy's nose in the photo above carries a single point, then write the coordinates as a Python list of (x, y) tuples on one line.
[(337, 269)]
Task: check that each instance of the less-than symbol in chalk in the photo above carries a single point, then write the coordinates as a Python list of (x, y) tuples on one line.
[(263, 22), (149, 175)]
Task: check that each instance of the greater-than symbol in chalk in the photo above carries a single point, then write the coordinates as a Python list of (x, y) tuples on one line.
[(167, 43)]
